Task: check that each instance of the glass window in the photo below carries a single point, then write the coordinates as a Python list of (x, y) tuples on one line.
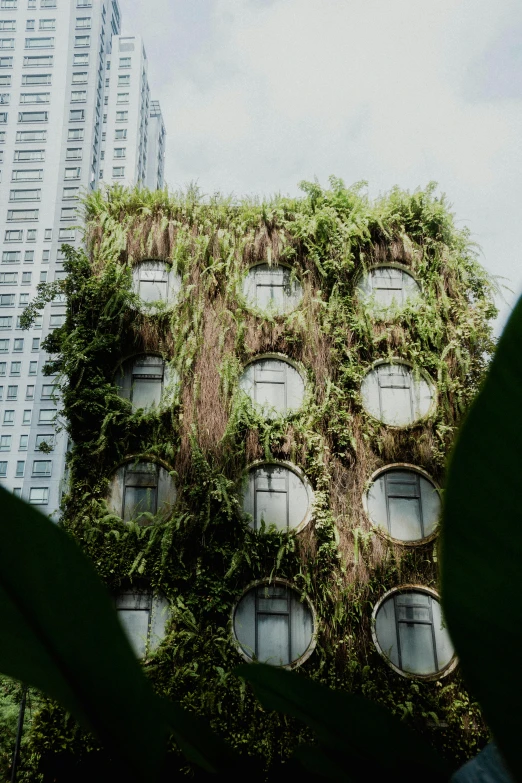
[(68, 213), (5, 442), (3, 469), (47, 416), (12, 392), (39, 496), (32, 194), (66, 234), (14, 236), (26, 418), (76, 115), (33, 116), (21, 175), (387, 287), (395, 396), (274, 385), (3, 368), (120, 133), (8, 278), (42, 467), (274, 494), (73, 173), (154, 283), (272, 289), (273, 626), (28, 136), (7, 300), (404, 502), (38, 61), (35, 97), (39, 43), (16, 368), (141, 490), (144, 617), (118, 171), (409, 632), (11, 256), (48, 391), (70, 193), (83, 22), (9, 417), (18, 344), (80, 77), (121, 116), (35, 344), (33, 368), (44, 443), (22, 214), (6, 321), (4, 346), (82, 40), (125, 62), (20, 468), (24, 442), (26, 278), (142, 380), (47, 24), (120, 152), (78, 96), (7, 43), (80, 59)]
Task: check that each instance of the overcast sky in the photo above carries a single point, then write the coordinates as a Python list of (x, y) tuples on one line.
[(260, 94)]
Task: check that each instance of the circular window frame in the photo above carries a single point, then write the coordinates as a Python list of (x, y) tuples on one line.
[(383, 314), (450, 666), (380, 530), (427, 377), (153, 311), (298, 367), (140, 458), (315, 625), (300, 474), (264, 313), (162, 405)]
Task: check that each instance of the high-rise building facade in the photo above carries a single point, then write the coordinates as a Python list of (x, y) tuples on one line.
[(75, 112)]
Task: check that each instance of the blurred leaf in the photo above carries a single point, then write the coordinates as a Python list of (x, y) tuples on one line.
[(355, 734), (482, 545), (60, 633)]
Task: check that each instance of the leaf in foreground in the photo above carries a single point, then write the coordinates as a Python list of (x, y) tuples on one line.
[(354, 733), (60, 633), (482, 545)]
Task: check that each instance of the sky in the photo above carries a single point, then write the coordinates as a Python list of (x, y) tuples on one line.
[(258, 95)]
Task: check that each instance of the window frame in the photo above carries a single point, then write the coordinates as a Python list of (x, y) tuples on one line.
[(423, 376), (290, 467), (244, 384)]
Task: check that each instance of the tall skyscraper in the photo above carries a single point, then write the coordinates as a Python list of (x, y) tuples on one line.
[(75, 113)]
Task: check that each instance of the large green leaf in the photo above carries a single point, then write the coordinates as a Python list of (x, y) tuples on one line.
[(355, 734), (482, 545), (59, 632)]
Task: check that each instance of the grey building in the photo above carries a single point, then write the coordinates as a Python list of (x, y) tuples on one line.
[(75, 112)]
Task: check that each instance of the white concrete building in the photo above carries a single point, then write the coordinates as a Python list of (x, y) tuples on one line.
[(75, 112)]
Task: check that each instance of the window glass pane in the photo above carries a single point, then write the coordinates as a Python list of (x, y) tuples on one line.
[(272, 289), (404, 503), (274, 385), (139, 501), (394, 395), (273, 639), (417, 652), (276, 495), (388, 287), (136, 626)]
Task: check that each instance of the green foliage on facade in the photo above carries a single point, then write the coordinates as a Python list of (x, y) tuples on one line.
[(204, 555)]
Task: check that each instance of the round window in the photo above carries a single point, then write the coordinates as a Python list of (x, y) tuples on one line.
[(155, 284), (409, 632), (141, 492), (404, 502), (145, 381), (276, 495), (144, 617), (388, 287), (272, 289), (395, 395), (274, 385), (272, 625)]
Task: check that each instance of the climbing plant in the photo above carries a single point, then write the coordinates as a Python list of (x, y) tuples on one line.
[(204, 554)]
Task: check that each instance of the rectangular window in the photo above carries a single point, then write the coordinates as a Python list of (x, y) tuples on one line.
[(42, 467), (80, 77), (4, 346), (120, 134), (47, 3), (26, 278), (73, 173), (25, 195), (82, 40), (29, 257), (27, 156), (76, 115), (30, 25), (68, 213), (47, 416), (7, 4), (7, 300), (7, 43), (27, 175), (39, 43), (6, 321), (122, 97), (35, 97), (118, 171), (16, 368), (80, 59), (83, 22), (123, 79), (32, 135), (46, 254), (56, 320), (44, 442), (29, 393), (6, 62), (3, 368), (5, 443), (33, 79), (3, 469), (31, 234), (120, 152), (78, 96), (5, 80), (39, 496), (5, 98), (18, 344), (20, 468), (24, 443), (83, 3), (122, 116), (1, 392), (8, 24), (11, 256), (33, 116), (47, 24), (35, 345), (70, 193), (26, 418), (75, 134), (22, 214), (12, 392), (38, 61), (125, 62), (73, 153), (13, 236), (23, 300), (66, 234), (3, 117), (9, 417)]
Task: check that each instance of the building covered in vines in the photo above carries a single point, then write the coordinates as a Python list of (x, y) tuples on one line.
[(261, 398)]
